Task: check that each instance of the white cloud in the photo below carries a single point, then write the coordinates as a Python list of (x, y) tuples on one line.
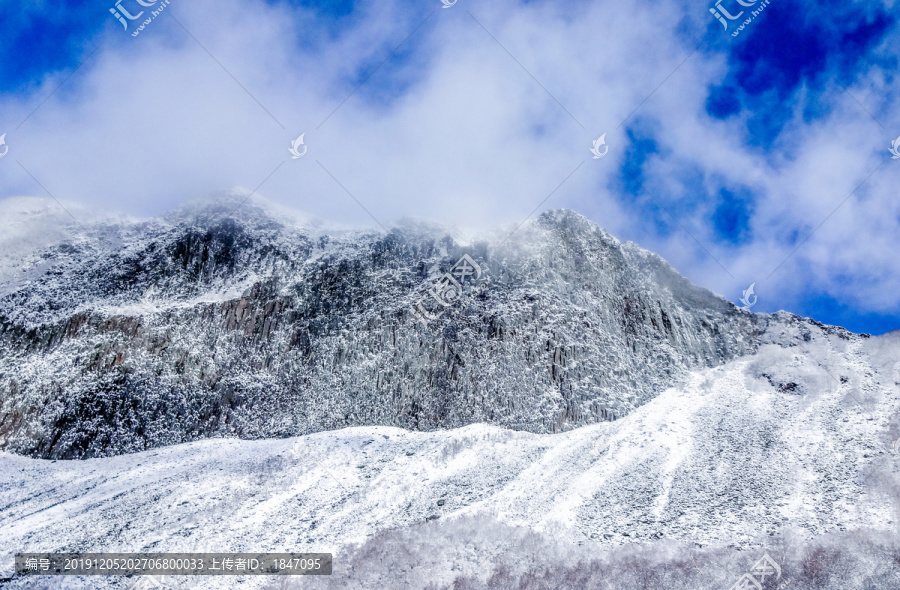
[(454, 130)]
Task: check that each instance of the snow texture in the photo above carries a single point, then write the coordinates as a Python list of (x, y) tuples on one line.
[(222, 321), (733, 454), (238, 379)]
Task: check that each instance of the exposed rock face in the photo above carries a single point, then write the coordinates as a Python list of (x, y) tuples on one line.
[(201, 324)]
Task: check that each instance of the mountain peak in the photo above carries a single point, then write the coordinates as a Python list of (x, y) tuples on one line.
[(216, 319)]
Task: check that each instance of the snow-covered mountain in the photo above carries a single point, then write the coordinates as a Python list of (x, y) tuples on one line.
[(731, 458), (225, 321), (578, 415)]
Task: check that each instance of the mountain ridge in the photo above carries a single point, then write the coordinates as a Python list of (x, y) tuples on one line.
[(203, 324)]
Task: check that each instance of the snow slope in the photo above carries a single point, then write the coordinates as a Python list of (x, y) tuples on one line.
[(210, 322), (795, 438)]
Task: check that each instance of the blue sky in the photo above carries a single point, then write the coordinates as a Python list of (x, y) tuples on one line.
[(761, 158)]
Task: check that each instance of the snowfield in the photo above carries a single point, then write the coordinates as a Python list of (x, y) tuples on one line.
[(791, 440)]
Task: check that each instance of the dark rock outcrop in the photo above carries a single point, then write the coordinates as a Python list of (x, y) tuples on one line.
[(202, 325)]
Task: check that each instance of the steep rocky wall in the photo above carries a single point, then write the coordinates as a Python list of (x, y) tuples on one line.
[(566, 326)]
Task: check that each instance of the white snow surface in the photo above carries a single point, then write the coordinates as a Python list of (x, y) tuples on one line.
[(719, 461)]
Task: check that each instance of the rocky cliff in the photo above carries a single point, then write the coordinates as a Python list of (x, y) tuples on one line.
[(213, 321)]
